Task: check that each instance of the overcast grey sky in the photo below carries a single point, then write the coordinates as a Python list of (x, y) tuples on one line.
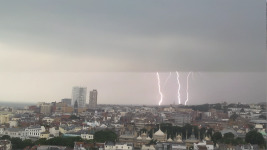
[(49, 46)]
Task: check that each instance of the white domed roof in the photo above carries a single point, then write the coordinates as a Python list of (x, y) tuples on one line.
[(169, 140), (207, 138), (148, 138), (144, 133), (139, 138), (159, 132), (179, 141)]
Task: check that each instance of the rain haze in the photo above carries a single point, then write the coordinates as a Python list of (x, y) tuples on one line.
[(117, 47)]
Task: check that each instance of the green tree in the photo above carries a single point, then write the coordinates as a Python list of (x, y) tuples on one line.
[(234, 116), (217, 106), (26, 143), (209, 132), (105, 136), (251, 126), (229, 135), (232, 105), (254, 137), (152, 142), (204, 107), (16, 143), (188, 128), (63, 141), (227, 140), (217, 136), (240, 140), (5, 137), (41, 141), (89, 141), (202, 133)]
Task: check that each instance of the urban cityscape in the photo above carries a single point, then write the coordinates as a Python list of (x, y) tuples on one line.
[(133, 75), (79, 123)]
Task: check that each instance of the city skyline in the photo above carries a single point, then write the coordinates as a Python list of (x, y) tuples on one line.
[(219, 87), (118, 47)]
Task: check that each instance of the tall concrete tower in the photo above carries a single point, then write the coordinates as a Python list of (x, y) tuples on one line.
[(79, 94), (93, 99)]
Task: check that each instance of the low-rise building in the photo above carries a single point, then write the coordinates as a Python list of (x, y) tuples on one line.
[(2, 130), (14, 132), (184, 110), (118, 146), (13, 123), (35, 131), (5, 145), (44, 135), (23, 111), (84, 146), (180, 119), (4, 118), (87, 136), (170, 145), (46, 108), (208, 144), (66, 129), (48, 120), (127, 137), (54, 131)]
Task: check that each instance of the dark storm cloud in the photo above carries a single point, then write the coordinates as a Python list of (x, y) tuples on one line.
[(138, 35)]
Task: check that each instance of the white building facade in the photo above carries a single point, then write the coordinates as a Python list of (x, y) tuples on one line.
[(79, 94), (35, 131), (54, 131), (87, 136)]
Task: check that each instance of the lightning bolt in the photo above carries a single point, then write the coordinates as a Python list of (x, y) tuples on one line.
[(179, 87), (167, 80), (165, 83), (161, 96), (187, 88)]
